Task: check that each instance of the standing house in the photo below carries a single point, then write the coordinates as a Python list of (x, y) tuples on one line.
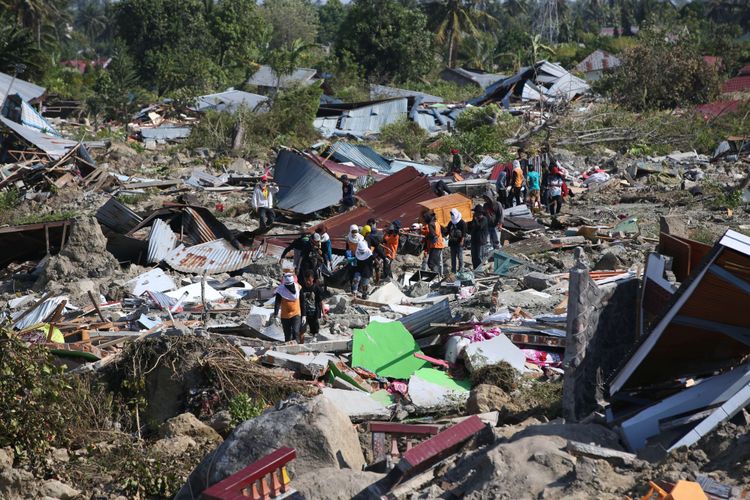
[(596, 63)]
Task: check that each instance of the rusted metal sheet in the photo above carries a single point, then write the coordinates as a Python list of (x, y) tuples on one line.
[(217, 256), (418, 323), (196, 226), (161, 241)]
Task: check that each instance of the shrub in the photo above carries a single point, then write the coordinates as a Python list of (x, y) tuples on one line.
[(405, 134), (242, 407), (32, 407)]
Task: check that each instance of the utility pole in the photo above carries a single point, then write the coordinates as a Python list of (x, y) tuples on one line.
[(547, 21)]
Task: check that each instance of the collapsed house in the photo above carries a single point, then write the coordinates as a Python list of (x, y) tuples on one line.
[(470, 77), (544, 82), (266, 80)]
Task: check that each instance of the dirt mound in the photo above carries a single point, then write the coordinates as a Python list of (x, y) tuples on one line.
[(85, 256)]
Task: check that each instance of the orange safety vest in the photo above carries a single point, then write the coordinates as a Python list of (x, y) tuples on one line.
[(290, 308), (440, 243), (390, 245)]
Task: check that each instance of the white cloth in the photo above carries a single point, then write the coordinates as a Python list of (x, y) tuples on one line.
[(363, 251), (324, 237), (555, 186), (455, 216), (260, 201), (355, 239), (516, 164), (286, 293)]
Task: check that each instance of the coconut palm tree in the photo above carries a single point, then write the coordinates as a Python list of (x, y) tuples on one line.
[(283, 61), (460, 18)]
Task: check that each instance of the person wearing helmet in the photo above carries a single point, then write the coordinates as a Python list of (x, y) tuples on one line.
[(286, 301), (363, 269), (263, 202)]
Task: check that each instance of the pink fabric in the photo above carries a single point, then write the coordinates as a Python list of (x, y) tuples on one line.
[(542, 358)]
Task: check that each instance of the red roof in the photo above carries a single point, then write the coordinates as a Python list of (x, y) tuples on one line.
[(736, 84), (712, 61), (498, 167), (717, 108), (395, 197)]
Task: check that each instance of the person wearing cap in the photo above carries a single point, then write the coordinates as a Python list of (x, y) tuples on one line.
[(286, 302), (479, 230), (434, 243), (353, 238), (312, 258), (516, 183), (458, 162), (456, 232), (301, 247), (495, 217), (263, 202), (347, 193), (363, 269), (555, 186)]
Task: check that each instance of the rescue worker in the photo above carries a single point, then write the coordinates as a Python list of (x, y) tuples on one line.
[(287, 302), (363, 268), (456, 232), (434, 243), (517, 182), (390, 248), (263, 202)]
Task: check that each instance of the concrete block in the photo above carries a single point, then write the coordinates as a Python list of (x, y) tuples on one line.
[(357, 405), (538, 281), (493, 351)]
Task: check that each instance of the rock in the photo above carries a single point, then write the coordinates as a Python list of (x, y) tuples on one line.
[(118, 151), (585, 433), (339, 304), (60, 455), (332, 483), (174, 445), (6, 458), (221, 422), (188, 425), (15, 484), (538, 281), (485, 398), (56, 489), (321, 434), (418, 289), (490, 352), (607, 262), (528, 300), (240, 165), (675, 225)]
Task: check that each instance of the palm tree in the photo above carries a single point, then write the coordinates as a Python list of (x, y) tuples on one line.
[(461, 18), (90, 18), (37, 14), (537, 48), (283, 61)]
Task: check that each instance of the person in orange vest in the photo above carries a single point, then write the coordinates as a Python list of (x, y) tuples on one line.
[(287, 302), (390, 247), (434, 243), (517, 183)]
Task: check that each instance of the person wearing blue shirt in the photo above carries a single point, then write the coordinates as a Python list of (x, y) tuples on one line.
[(532, 180)]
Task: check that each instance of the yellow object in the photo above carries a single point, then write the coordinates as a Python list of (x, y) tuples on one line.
[(443, 204), (366, 229), (57, 336)]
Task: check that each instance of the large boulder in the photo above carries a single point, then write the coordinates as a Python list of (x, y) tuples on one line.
[(321, 434), (485, 398), (333, 483)]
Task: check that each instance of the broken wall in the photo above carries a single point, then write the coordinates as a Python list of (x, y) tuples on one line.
[(601, 330)]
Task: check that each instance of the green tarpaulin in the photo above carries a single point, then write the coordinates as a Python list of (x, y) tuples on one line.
[(386, 349), (443, 379)]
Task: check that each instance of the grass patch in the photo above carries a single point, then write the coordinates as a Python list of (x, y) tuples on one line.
[(37, 218), (501, 375)]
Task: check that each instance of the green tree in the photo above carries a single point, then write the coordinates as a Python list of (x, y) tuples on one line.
[(90, 19), (331, 15), (290, 20), (460, 18), (240, 31), (42, 17), (390, 41), (664, 71), (17, 46)]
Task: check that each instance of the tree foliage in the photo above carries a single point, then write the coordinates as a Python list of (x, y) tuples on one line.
[(390, 41), (664, 71), (290, 20)]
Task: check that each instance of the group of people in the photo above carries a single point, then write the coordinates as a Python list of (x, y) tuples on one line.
[(369, 253), (548, 190)]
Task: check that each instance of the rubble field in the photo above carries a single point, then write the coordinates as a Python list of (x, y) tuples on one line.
[(598, 352)]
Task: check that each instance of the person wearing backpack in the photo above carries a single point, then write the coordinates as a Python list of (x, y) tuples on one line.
[(456, 232)]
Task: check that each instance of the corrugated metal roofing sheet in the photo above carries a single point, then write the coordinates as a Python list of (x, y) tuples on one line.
[(161, 241), (27, 90), (369, 120), (359, 154), (422, 168), (54, 147), (165, 133), (197, 227), (117, 216), (38, 314), (217, 256), (304, 187), (230, 101), (265, 77), (418, 323), (351, 171), (381, 91)]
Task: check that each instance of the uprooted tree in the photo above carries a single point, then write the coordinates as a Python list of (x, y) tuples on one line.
[(665, 71)]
